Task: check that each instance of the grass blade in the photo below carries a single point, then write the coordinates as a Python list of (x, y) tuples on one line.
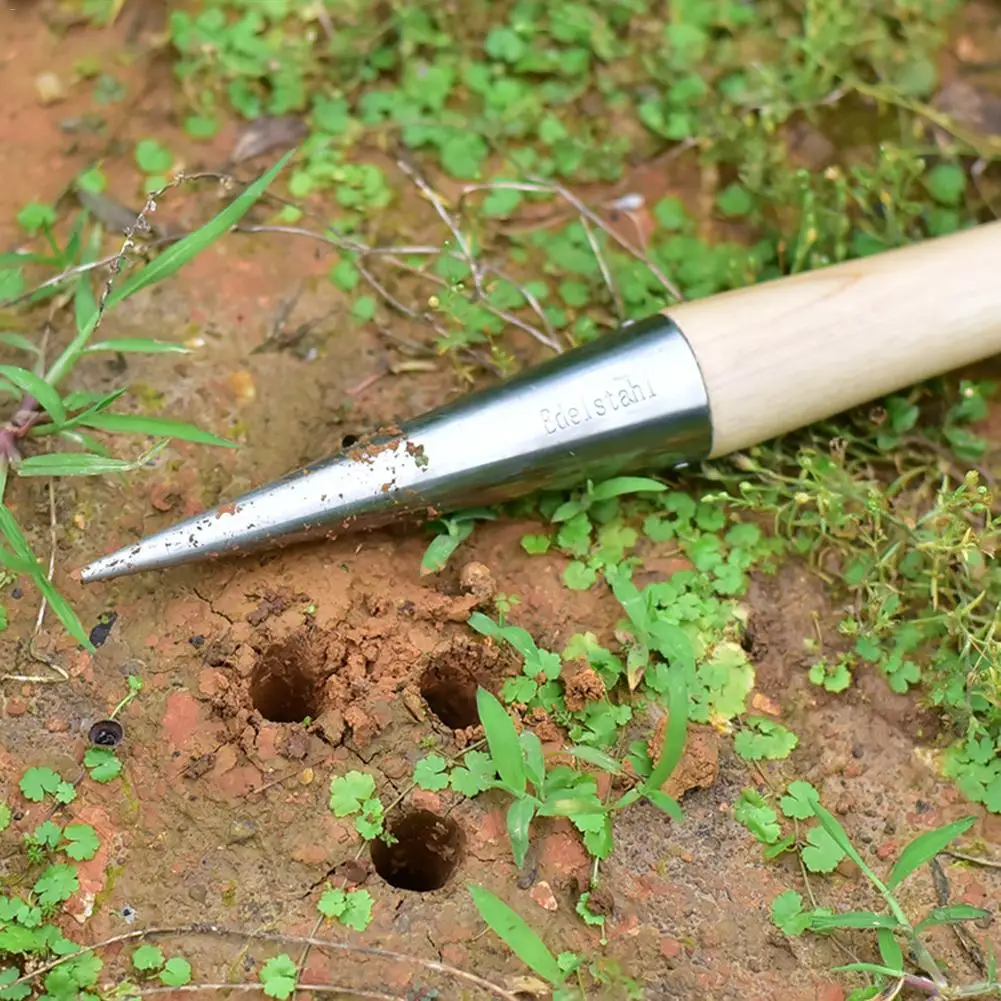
[(81, 400), (513, 930), (951, 915), (675, 733), (18, 257), (533, 758), (35, 386), (85, 308), (853, 919), (441, 547), (518, 637), (18, 341), (180, 253), (595, 757), (626, 485), (92, 403), (85, 441), (502, 739), (666, 804), (840, 837), (75, 464), (889, 949), (520, 815), (883, 971), (159, 427), (64, 611), (924, 848), (570, 805), (138, 345), (87, 315)]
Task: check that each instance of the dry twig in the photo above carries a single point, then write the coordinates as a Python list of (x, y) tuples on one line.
[(268, 936)]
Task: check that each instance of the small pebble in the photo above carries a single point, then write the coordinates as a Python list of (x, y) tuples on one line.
[(16, 707), (240, 832), (476, 579), (49, 88)]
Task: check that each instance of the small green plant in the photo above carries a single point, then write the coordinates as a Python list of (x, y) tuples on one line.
[(37, 783), (72, 418), (819, 851), (451, 533), (910, 559), (899, 939), (517, 765), (570, 976), (135, 687), (31, 917), (102, 764), (352, 908), (155, 161), (761, 738), (354, 795), (149, 961), (279, 976), (834, 676)]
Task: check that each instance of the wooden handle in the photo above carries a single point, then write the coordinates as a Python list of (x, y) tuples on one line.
[(783, 354)]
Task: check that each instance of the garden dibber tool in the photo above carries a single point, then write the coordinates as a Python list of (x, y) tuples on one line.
[(699, 381)]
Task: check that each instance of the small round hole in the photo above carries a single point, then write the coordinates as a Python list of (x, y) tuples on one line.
[(282, 688), (450, 695), (106, 733), (348, 440), (426, 852)]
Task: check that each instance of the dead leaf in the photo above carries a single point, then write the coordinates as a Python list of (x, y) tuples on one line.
[(267, 133), (967, 105)]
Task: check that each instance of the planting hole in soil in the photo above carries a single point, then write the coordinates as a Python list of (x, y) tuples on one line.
[(106, 733), (449, 681), (426, 852), (283, 687), (451, 696)]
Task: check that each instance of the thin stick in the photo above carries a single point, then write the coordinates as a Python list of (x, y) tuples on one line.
[(250, 985), (268, 936), (605, 273), (530, 298), (439, 207), (52, 556), (543, 187), (987, 863), (390, 254), (356, 248), (82, 269)]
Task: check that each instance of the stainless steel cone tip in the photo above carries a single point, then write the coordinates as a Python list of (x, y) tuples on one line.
[(631, 399)]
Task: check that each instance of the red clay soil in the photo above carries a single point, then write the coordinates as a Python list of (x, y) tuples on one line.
[(222, 813)]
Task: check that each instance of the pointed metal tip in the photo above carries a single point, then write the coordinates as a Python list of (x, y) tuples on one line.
[(588, 411), (115, 564)]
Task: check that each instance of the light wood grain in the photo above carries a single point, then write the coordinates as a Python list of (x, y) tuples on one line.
[(783, 354)]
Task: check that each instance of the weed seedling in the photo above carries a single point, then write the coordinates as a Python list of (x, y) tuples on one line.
[(354, 795), (31, 918), (135, 687), (516, 764), (898, 937), (352, 908), (451, 533), (72, 417)]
